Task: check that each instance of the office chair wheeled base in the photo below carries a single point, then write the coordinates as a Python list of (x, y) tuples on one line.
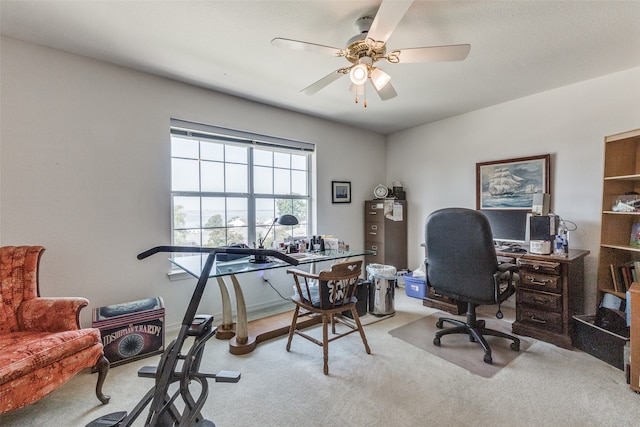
[(475, 329)]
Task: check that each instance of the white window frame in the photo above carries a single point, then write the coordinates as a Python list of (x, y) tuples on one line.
[(197, 131)]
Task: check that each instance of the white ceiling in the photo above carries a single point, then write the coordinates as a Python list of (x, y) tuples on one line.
[(517, 48)]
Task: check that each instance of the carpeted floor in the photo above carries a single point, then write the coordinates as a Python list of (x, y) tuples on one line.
[(398, 384), (457, 349)]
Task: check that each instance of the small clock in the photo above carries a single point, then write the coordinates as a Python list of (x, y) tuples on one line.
[(380, 191)]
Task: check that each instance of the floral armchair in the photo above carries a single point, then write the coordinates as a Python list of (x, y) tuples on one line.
[(41, 342)]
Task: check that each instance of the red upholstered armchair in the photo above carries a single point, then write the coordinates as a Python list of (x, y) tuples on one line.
[(41, 342)]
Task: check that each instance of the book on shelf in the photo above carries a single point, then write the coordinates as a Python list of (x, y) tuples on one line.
[(635, 234), (614, 277), (623, 276)]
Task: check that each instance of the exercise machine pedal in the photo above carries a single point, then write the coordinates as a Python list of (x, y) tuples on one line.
[(110, 420), (227, 377)]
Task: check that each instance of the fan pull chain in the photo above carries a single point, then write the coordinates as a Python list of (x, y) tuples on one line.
[(364, 94)]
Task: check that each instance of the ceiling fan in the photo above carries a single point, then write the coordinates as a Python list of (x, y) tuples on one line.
[(368, 47)]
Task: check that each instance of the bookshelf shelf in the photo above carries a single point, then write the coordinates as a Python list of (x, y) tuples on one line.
[(621, 213), (622, 248), (632, 177)]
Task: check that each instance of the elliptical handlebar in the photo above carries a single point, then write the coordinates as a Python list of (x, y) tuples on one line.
[(220, 250)]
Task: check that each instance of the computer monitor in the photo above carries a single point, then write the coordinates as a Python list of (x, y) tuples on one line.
[(509, 227)]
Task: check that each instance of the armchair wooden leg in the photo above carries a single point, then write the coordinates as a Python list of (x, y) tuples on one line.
[(102, 366)]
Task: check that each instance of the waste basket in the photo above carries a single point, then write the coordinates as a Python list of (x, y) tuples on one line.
[(362, 294), (382, 286)]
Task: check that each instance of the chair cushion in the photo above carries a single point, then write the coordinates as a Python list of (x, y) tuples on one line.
[(24, 352), (312, 298)]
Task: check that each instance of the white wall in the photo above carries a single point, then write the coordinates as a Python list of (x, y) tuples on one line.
[(436, 162), (85, 172)]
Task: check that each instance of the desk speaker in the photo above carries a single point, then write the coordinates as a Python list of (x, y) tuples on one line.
[(541, 204)]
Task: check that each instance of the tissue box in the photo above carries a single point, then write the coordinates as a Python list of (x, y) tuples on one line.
[(416, 287)]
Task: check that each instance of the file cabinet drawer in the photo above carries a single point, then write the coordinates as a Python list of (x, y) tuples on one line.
[(379, 248), (374, 211), (374, 232)]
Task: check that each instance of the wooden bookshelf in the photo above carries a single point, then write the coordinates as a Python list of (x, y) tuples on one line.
[(621, 176), (634, 291)]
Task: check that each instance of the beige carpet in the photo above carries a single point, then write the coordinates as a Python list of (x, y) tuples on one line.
[(457, 348), (398, 384)]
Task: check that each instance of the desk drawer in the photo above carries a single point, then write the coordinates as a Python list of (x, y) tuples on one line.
[(540, 300), (540, 318), (543, 267), (541, 282)]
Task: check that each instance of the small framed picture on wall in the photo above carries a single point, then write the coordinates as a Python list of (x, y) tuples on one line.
[(341, 191)]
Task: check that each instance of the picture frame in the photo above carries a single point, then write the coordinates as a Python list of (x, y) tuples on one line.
[(341, 191), (511, 183)]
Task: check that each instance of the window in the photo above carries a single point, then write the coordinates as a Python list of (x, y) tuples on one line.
[(228, 186)]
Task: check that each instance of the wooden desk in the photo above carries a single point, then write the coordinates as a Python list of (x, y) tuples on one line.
[(549, 293)]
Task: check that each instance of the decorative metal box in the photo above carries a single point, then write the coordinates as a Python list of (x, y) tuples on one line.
[(131, 330)]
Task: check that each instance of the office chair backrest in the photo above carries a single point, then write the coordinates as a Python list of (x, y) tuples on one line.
[(461, 258)]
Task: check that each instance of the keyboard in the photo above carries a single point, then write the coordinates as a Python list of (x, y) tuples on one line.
[(511, 250)]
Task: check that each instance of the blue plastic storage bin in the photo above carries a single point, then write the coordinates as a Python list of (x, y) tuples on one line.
[(416, 287)]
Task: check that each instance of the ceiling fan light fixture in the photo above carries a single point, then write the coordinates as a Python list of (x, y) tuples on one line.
[(359, 74), (379, 78)]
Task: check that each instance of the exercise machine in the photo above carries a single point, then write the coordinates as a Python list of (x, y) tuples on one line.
[(161, 401)]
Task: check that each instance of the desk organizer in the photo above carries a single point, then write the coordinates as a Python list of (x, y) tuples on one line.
[(131, 330)]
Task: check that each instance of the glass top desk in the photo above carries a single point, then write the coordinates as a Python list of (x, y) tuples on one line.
[(243, 336)]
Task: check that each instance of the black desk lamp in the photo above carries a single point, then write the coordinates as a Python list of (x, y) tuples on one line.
[(285, 219)]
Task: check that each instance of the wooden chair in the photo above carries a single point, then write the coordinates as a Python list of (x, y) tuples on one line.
[(327, 294)]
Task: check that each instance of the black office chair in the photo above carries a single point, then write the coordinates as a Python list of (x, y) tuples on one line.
[(461, 263)]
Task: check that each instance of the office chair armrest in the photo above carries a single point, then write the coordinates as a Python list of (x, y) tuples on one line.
[(507, 267), (505, 273)]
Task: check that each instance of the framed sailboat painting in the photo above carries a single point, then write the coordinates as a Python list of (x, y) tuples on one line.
[(511, 183)]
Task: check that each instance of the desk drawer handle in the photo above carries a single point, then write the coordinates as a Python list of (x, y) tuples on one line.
[(535, 319), (543, 282)]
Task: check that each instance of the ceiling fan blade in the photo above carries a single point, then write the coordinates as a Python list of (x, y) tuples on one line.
[(304, 46), (386, 92), (323, 82), (456, 52), (388, 17)]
